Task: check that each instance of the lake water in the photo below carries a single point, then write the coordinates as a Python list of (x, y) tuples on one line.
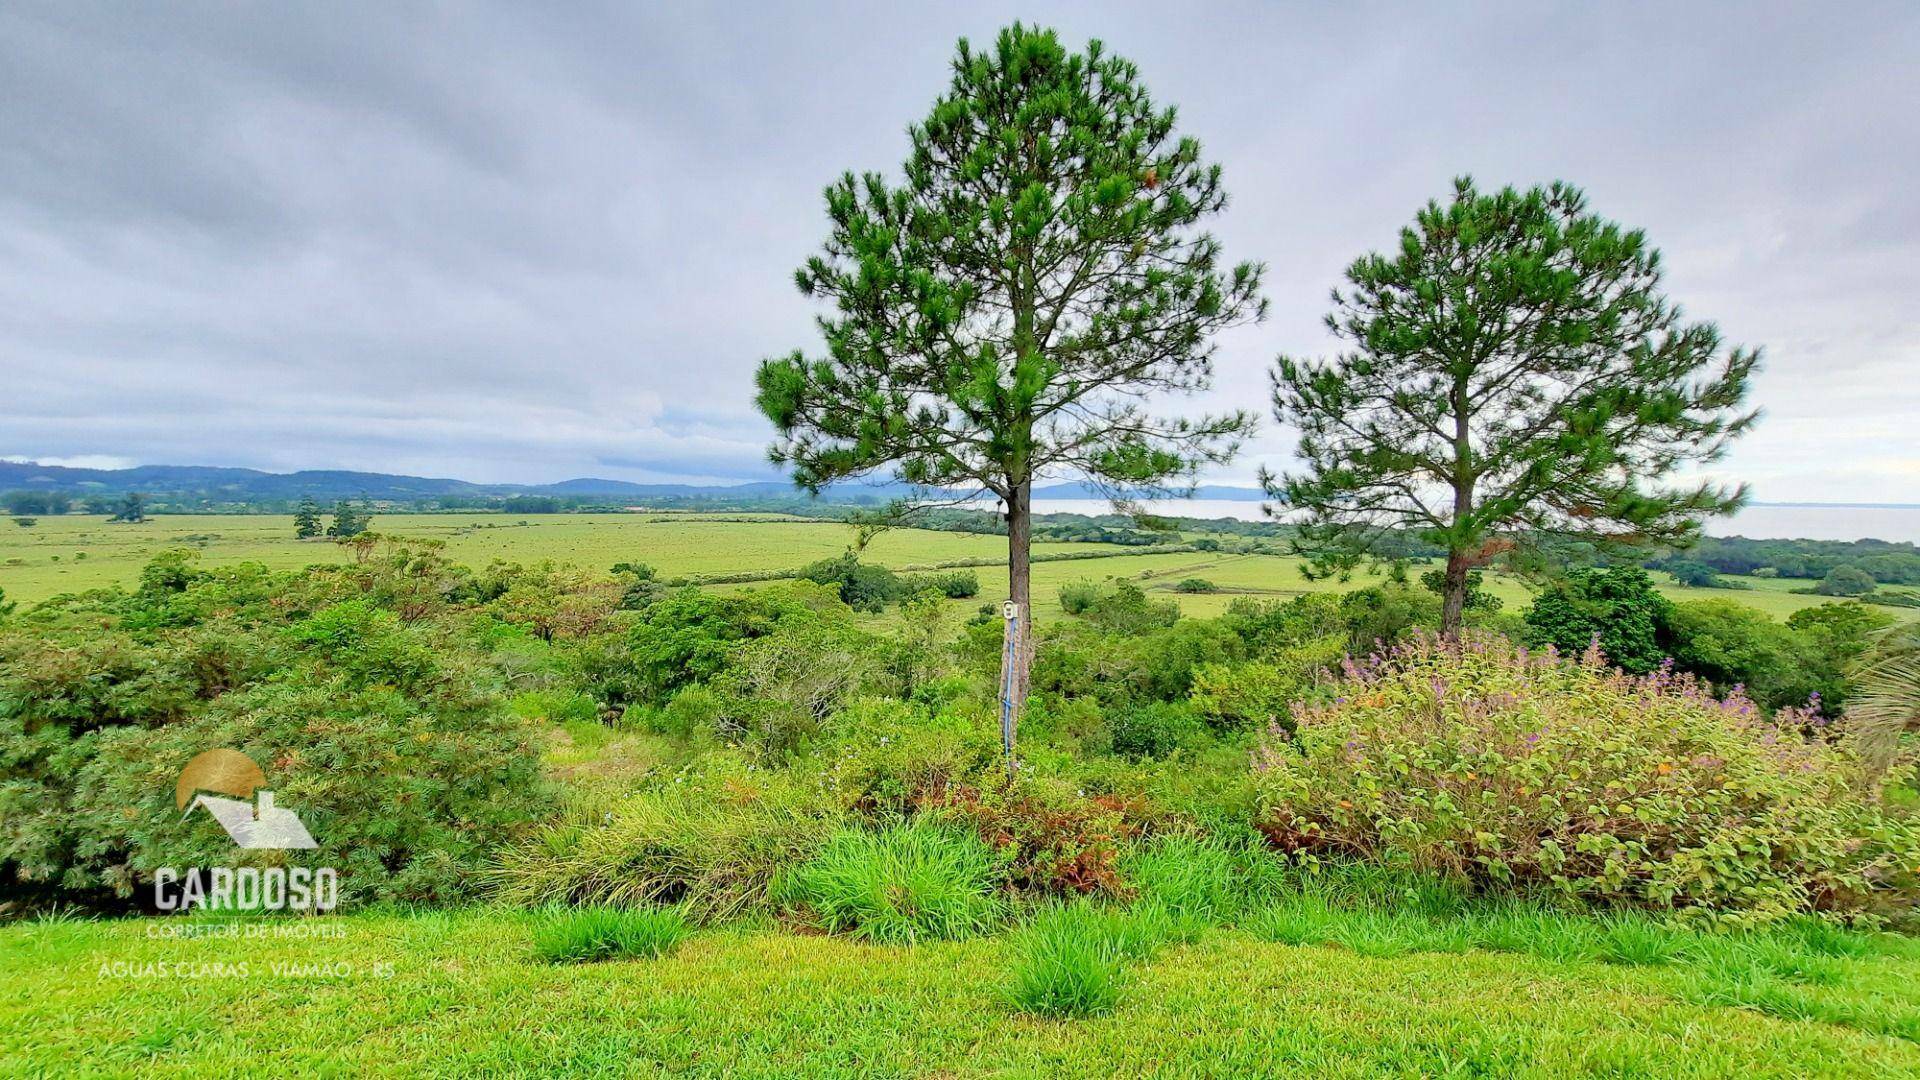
[(1771, 522)]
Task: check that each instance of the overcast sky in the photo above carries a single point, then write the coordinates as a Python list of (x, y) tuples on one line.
[(530, 242)]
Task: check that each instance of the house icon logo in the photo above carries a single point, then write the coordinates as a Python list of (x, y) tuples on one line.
[(233, 790)]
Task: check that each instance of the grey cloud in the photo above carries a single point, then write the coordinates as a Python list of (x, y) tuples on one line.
[(510, 242)]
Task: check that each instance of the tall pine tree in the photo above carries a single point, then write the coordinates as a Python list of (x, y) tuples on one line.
[(349, 519), (1004, 314), (306, 520), (1516, 384)]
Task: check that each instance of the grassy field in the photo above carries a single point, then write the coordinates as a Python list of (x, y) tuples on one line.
[(457, 993), (66, 554), (71, 553), (1269, 575)]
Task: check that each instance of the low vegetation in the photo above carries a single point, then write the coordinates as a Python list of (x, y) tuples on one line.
[(920, 881), (580, 935), (1479, 761)]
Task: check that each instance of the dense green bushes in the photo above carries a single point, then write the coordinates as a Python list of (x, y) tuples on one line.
[(890, 757), (1734, 646), (1117, 606), (1804, 662), (405, 793), (1506, 768), (1154, 729), (866, 587), (385, 729), (689, 636), (401, 705), (1615, 606), (1727, 643)]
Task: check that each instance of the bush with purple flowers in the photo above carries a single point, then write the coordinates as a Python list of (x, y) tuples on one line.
[(1510, 768)]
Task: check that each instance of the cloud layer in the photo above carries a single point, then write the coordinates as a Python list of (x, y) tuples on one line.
[(507, 245)]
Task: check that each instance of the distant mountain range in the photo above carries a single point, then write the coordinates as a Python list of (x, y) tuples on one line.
[(219, 484), (242, 485), (216, 483)]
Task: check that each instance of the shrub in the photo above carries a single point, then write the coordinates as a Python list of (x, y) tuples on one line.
[(1163, 661), (1268, 626), (780, 687), (552, 603), (862, 587), (1261, 693), (1157, 664), (693, 712), (1381, 615), (910, 882), (1618, 606), (572, 936), (1846, 581), (406, 795), (1482, 761), (1195, 585), (893, 756), (390, 740), (1732, 645), (954, 585), (920, 659), (1076, 597), (1478, 599), (1119, 607), (1052, 839), (1152, 730), (1075, 659), (691, 636), (1834, 639), (1695, 574)]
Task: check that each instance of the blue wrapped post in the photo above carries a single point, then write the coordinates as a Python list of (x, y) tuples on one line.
[(1009, 656)]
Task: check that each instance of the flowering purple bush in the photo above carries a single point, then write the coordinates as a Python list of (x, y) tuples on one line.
[(1481, 759)]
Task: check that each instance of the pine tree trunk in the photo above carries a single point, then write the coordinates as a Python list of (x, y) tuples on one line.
[(1020, 592), (1453, 594), (1453, 590)]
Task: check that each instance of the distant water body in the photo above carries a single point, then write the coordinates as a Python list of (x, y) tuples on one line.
[(1760, 522)]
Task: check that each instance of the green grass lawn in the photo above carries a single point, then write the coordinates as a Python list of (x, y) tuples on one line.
[(458, 993), (71, 553)]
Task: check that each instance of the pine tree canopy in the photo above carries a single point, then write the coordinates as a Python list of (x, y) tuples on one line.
[(1514, 380), (1002, 313)]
